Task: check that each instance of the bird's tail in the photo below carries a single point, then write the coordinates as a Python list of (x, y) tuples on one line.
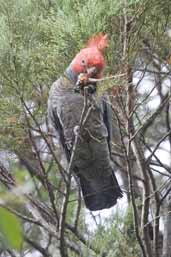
[(102, 193)]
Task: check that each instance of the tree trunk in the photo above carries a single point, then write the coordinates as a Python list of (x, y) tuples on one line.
[(167, 229)]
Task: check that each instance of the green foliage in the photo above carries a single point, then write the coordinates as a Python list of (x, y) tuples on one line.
[(116, 236), (10, 230)]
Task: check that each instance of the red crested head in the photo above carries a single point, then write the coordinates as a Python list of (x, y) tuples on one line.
[(99, 41), (91, 55)]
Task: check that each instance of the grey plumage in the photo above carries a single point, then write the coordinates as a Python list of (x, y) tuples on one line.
[(92, 163)]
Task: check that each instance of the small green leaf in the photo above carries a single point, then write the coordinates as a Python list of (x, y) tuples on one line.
[(10, 229)]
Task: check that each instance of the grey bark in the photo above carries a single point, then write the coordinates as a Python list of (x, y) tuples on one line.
[(167, 229)]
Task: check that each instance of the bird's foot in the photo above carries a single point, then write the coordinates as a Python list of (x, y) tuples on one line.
[(76, 130), (69, 145)]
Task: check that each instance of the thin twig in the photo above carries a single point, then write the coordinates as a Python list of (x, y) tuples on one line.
[(92, 80), (84, 116)]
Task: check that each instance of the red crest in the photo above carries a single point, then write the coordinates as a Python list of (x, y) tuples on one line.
[(91, 55)]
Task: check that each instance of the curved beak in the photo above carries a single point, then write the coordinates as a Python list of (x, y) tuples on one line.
[(92, 72)]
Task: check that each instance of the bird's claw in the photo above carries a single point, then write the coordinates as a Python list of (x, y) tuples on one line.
[(69, 145), (76, 130)]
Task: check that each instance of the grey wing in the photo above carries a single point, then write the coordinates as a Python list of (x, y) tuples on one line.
[(98, 181), (64, 111)]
